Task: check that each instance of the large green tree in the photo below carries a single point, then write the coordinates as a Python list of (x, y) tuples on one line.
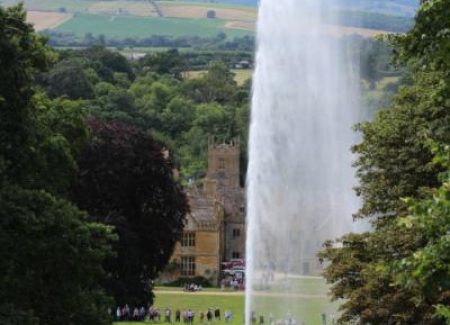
[(22, 54), (427, 269), (51, 260), (51, 256), (217, 85), (395, 162), (68, 79)]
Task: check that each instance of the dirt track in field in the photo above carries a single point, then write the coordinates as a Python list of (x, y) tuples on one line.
[(143, 9), (244, 25)]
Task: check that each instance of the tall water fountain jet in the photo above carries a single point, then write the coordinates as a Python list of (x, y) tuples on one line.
[(300, 179)]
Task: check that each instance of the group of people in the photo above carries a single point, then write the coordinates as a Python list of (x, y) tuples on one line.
[(139, 314), (193, 287), (208, 316), (187, 316), (289, 320), (233, 283), (125, 313)]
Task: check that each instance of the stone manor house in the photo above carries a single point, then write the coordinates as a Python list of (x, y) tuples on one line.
[(215, 228)]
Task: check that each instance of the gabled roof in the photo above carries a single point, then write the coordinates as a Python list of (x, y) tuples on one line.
[(204, 211)]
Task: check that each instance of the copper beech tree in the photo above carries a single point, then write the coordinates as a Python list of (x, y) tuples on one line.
[(125, 180)]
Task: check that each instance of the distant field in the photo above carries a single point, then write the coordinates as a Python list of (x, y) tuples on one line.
[(45, 20), (244, 25), (53, 5), (124, 26), (241, 18), (240, 75), (379, 91), (333, 30), (137, 19), (180, 10), (210, 3), (343, 30), (136, 8)]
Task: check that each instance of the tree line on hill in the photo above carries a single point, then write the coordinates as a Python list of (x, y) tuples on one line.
[(219, 42)]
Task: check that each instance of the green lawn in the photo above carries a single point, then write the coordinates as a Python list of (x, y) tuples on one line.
[(306, 285), (140, 27), (307, 309)]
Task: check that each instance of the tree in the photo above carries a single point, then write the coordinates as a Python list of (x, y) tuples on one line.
[(51, 256), (395, 162), (60, 135), (211, 14), (113, 61), (429, 41), (217, 85), (114, 103), (169, 62), (68, 79), (22, 54), (126, 181), (177, 117), (51, 259), (427, 269)]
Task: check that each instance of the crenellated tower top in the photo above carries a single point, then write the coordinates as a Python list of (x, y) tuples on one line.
[(223, 163)]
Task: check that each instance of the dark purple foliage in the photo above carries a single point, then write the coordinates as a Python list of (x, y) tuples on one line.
[(125, 180)]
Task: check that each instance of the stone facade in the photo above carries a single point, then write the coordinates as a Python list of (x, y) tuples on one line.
[(215, 228)]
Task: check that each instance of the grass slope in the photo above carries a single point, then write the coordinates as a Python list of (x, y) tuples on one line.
[(140, 27)]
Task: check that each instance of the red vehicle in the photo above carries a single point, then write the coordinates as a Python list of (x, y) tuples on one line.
[(234, 263)]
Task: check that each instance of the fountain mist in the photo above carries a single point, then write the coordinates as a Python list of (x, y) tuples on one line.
[(299, 185)]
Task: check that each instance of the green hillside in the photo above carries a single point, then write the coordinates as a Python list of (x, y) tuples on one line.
[(144, 24)]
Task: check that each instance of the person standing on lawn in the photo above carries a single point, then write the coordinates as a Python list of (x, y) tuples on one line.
[(168, 315)]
